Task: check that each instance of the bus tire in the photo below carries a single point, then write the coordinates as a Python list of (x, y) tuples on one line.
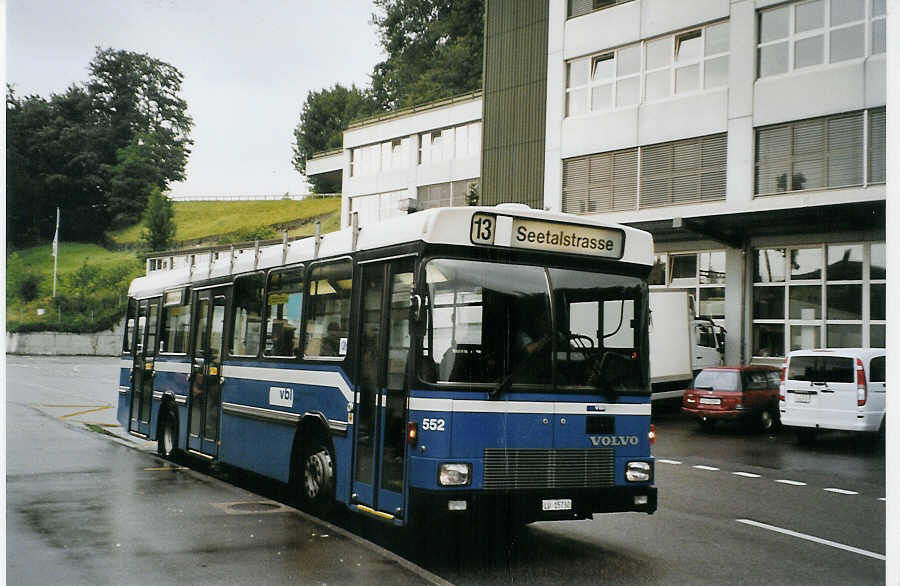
[(315, 490), (167, 434)]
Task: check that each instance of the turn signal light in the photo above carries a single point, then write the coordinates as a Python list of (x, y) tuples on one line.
[(412, 433), (652, 434)]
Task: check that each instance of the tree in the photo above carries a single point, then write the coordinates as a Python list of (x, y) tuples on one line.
[(146, 123), (325, 115), (53, 160), (159, 220), (435, 50), (96, 150)]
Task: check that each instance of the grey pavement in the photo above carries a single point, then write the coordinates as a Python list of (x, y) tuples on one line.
[(84, 507)]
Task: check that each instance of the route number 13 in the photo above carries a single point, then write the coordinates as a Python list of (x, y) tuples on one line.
[(483, 228)]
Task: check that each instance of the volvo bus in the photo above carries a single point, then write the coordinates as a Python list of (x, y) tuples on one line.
[(443, 363)]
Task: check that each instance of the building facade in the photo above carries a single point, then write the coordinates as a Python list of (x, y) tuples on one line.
[(747, 136)]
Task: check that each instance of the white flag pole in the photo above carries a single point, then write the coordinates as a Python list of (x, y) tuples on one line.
[(55, 251)]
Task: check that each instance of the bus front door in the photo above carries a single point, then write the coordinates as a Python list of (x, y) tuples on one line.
[(144, 353), (381, 390), (206, 372)]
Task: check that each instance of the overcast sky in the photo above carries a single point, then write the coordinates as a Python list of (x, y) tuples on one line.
[(247, 69)]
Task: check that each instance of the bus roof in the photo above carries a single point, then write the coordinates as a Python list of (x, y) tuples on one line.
[(517, 225)]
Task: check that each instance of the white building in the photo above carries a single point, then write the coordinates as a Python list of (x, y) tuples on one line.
[(748, 136)]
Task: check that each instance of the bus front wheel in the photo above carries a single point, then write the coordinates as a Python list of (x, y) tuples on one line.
[(316, 490)]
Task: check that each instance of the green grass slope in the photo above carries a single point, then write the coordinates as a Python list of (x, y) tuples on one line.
[(197, 220)]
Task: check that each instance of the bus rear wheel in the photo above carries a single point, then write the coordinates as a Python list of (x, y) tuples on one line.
[(316, 482)]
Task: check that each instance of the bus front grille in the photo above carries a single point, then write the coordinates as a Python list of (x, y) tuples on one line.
[(532, 468)]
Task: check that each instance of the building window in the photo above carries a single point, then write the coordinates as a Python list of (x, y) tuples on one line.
[(876, 171), (814, 297), (441, 195), (701, 274), (803, 34), (450, 143), (604, 182), (819, 153), (580, 7), (684, 171), (376, 207), (682, 63)]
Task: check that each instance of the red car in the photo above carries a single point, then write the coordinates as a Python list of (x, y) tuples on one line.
[(745, 393)]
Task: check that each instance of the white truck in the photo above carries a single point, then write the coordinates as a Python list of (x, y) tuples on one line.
[(680, 343)]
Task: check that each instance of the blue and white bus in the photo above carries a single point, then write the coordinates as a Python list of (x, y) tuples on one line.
[(448, 362)]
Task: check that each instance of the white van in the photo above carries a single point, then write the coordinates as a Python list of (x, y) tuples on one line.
[(837, 388)]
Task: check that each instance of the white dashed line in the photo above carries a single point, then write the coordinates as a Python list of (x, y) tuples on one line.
[(668, 461), (791, 482), (841, 491), (710, 468), (849, 548), (882, 499), (746, 474)]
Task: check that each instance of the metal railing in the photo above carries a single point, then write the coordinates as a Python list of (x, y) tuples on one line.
[(264, 197)]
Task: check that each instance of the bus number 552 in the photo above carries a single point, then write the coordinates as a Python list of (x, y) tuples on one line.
[(429, 424)]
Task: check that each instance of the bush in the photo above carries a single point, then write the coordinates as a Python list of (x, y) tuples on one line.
[(21, 281), (258, 233)]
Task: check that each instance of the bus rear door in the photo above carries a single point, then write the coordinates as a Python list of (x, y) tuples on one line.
[(144, 353), (381, 391), (206, 371)]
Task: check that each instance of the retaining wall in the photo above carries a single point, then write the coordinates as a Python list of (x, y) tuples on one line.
[(108, 343)]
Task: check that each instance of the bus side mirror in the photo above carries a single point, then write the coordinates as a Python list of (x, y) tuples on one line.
[(415, 307)]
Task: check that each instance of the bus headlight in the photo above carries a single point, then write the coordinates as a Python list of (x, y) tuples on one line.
[(454, 474), (638, 472)]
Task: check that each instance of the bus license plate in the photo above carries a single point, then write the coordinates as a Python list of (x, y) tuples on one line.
[(557, 504)]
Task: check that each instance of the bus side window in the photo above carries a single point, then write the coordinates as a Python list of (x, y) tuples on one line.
[(284, 307), (328, 323), (129, 326), (247, 314), (176, 321)]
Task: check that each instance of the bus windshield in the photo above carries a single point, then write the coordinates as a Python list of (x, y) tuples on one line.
[(495, 325)]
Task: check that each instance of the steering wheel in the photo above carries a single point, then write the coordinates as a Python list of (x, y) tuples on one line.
[(581, 342)]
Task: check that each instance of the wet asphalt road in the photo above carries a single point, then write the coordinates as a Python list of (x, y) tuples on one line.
[(83, 508), (735, 507)]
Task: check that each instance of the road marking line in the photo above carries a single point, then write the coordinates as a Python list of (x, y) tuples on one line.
[(160, 468), (882, 499), (812, 538), (65, 406), (86, 411), (668, 461), (746, 474), (711, 468), (791, 482), (841, 491)]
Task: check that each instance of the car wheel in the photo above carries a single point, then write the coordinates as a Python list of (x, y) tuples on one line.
[(316, 478), (167, 435), (767, 421)]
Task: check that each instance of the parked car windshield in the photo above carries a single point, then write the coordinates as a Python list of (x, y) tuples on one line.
[(490, 324), (719, 380)]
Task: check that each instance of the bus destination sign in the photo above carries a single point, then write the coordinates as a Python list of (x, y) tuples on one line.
[(539, 235)]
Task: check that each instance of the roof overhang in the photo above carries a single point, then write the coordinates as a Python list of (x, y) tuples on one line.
[(737, 229)]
